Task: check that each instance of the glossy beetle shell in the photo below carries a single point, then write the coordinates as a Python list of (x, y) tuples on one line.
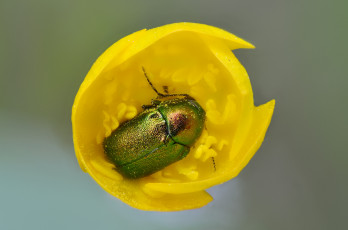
[(155, 138)]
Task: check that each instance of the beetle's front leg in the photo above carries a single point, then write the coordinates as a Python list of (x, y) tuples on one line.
[(146, 107), (154, 104)]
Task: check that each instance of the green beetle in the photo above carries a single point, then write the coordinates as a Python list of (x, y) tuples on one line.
[(157, 137)]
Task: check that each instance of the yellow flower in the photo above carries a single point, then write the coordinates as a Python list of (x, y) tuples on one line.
[(189, 58)]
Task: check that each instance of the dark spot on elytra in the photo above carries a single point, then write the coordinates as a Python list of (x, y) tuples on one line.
[(177, 123)]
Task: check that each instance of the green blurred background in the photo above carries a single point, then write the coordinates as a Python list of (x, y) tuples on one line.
[(298, 178)]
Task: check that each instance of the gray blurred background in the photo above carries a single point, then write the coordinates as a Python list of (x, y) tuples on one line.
[(298, 178)]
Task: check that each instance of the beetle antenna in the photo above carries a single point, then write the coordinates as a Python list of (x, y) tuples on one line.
[(161, 94), (148, 80)]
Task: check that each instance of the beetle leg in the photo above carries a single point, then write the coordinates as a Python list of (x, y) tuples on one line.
[(145, 107), (165, 89), (155, 102), (214, 163)]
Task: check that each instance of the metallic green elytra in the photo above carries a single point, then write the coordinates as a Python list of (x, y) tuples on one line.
[(157, 137)]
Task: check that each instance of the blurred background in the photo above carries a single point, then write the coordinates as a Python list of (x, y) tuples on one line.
[(298, 178)]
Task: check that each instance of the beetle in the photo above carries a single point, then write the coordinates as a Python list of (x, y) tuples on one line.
[(157, 137)]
